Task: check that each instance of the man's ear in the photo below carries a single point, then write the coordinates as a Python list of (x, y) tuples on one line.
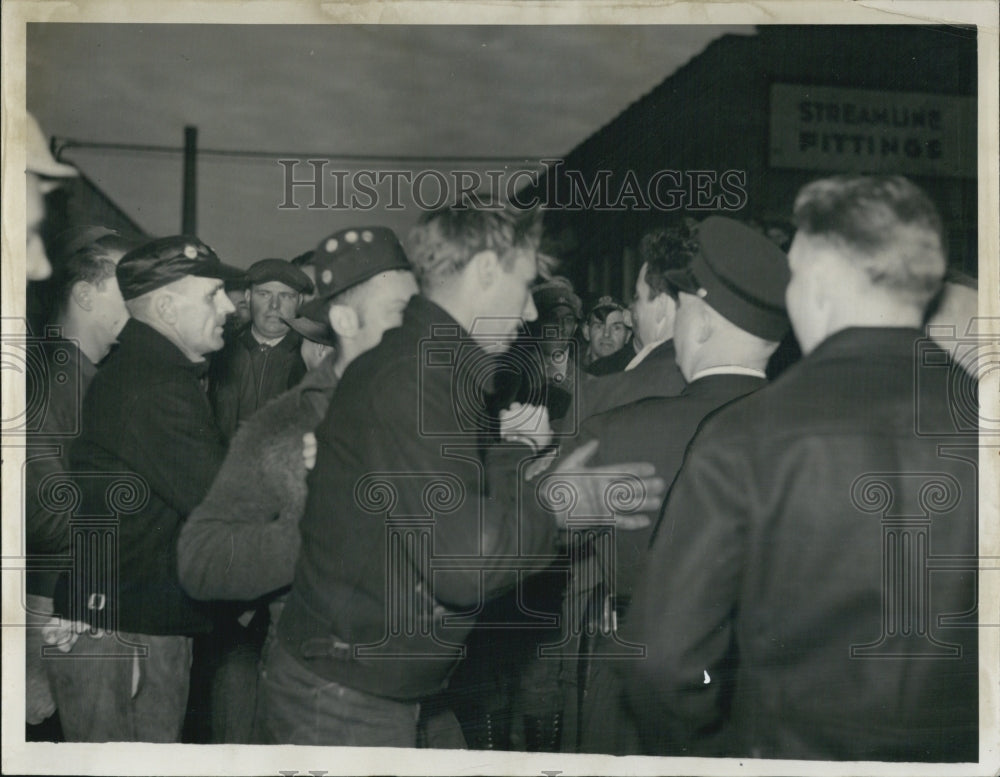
[(661, 305), (703, 323), (165, 308), (82, 294), (586, 331), (486, 266), (343, 320)]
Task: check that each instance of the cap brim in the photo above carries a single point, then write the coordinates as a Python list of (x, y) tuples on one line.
[(312, 330), (221, 271), (315, 310), (682, 280), (609, 308), (50, 168)]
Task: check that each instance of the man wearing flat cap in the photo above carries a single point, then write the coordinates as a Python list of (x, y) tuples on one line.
[(242, 541), (788, 606), (146, 455), (263, 359), (730, 319)]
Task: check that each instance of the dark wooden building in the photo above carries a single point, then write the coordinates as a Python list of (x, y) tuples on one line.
[(743, 125)]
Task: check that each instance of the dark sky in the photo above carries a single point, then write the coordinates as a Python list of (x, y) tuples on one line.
[(500, 91)]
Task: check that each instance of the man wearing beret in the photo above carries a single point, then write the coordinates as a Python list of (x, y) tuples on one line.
[(242, 541), (405, 450), (730, 319), (263, 359), (787, 605), (146, 456)]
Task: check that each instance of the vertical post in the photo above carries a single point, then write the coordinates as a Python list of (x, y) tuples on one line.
[(189, 203)]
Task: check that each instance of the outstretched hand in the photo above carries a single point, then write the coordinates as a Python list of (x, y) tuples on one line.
[(628, 493)]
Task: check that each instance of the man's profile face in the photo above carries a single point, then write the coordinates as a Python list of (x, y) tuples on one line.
[(381, 305), (646, 315), (270, 303), (510, 303), (607, 336), (202, 306), (801, 265), (109, 307), (37, 266)]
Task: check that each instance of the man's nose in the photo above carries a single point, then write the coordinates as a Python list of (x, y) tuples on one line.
[(272, 302), (530, 312), (227, 306)]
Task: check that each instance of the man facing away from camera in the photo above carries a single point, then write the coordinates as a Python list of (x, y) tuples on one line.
[(241, 543), (730, 319), (652, 371), (405, 475), (148, 431), (788, 607)]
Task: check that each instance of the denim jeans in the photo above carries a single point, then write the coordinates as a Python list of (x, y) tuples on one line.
[(298, 707), (108, 689)]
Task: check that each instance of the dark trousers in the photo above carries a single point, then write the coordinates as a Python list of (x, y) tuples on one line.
[(298, 707), (121, 687)]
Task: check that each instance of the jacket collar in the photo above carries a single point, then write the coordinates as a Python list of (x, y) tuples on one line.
[(727, 383), (860, 342), (290, 342), (140, 341), (429, 320)]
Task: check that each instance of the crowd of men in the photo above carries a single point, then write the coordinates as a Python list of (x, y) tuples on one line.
[(418, 495)]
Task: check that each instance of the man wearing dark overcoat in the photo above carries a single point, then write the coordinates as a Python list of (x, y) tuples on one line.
[(147, 454), (730, 319), (810, 592)]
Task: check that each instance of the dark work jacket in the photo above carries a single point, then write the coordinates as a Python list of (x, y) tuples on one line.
[(787, 606), (657, 430), (405, 443), (612, 363), (657, 375), (246, 375), (148, 427), (67, 374)]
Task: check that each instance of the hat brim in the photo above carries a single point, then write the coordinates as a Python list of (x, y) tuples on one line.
[(609, 308), (224, 272), (312, 330), (315, 310), (682, 280)]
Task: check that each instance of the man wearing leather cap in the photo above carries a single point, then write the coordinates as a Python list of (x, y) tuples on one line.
[(811, 590), (730, 318), (263, 359), (148, 427), (406, 435), (242, 541)]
